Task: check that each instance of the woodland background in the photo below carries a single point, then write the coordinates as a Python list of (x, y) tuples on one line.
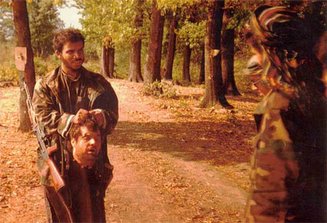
[(183, 41), (183, 142)]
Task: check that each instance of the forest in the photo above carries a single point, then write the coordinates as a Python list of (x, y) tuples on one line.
[(183, 143)]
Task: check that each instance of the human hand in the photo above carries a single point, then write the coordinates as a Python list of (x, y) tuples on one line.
[(52, 149), (99, 117), (79, 114)]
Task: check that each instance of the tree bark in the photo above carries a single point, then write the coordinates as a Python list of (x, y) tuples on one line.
[(105, 62), (111, 58), (135, 73), (202, 72), (227, 55), (153, 59), (213, 80), (23, 37), (186, 63), (168, 71)]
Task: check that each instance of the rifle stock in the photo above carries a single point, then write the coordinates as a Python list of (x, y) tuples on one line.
[(58, 182)]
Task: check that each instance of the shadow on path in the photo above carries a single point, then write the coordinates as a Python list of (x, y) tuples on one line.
[(219, 143)]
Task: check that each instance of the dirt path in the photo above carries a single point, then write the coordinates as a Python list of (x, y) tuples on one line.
[(173, 161)]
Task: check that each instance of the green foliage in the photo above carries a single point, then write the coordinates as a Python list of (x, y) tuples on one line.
[(108, 21), (160, 90), (242, 80), (92, 65), (122, 62), (174, 5), (192, 34), (8, 72), (45, 65), (6, 21), (40, 66), (111, 22), (91, 52), (178, 68), (7, 50), (44, 19)]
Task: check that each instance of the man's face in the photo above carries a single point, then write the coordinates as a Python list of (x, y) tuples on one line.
[(86, 147), (71, 56)]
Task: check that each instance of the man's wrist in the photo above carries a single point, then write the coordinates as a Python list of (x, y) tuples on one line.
[(101, 112), (66, 124)]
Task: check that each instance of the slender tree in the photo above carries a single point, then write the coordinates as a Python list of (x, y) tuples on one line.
[(191, 32), (213, 76), (202, 62), (186, 63), (23, 36), (135, 73), (153, 59), (105, 61), (227, 53), (111, 55), (107, 58), (173, 21), (104, 20)]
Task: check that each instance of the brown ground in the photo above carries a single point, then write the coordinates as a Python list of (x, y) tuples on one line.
[(174, 162)]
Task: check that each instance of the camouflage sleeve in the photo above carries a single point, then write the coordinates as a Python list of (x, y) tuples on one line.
[(47, 111), (274, 169)]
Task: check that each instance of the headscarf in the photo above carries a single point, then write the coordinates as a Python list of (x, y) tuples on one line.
[(285, 36), (281, 28)]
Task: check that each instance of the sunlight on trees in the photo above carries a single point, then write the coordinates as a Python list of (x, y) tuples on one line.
[(118, 33)]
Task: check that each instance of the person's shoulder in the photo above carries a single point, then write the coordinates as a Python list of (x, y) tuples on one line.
[(95, 77), (92, 75), (49, 77), (46, 80)]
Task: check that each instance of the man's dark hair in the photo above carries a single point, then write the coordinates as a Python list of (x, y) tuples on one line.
[(86, 120), (63, 36)]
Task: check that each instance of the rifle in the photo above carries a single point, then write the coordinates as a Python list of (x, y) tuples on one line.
[(54, 197), (41, 138)]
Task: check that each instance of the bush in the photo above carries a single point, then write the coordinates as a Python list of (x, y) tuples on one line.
[(93, 65), (40, 66), (8, 72), (122, 62), (45, 65), (160, 90), (242, 80)]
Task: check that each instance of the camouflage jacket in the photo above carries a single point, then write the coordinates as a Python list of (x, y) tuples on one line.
[(288, 176), (57, 98)]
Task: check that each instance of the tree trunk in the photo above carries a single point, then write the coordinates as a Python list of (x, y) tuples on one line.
[(227, 55), (105, 62), (213, 80), (202, 73), (168, 72), (135, 73), (111, 58), (153, 59), (23, 37), (186, 63)]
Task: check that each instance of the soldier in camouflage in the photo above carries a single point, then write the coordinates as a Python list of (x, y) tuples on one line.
[(60, 99), (288, 175)]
